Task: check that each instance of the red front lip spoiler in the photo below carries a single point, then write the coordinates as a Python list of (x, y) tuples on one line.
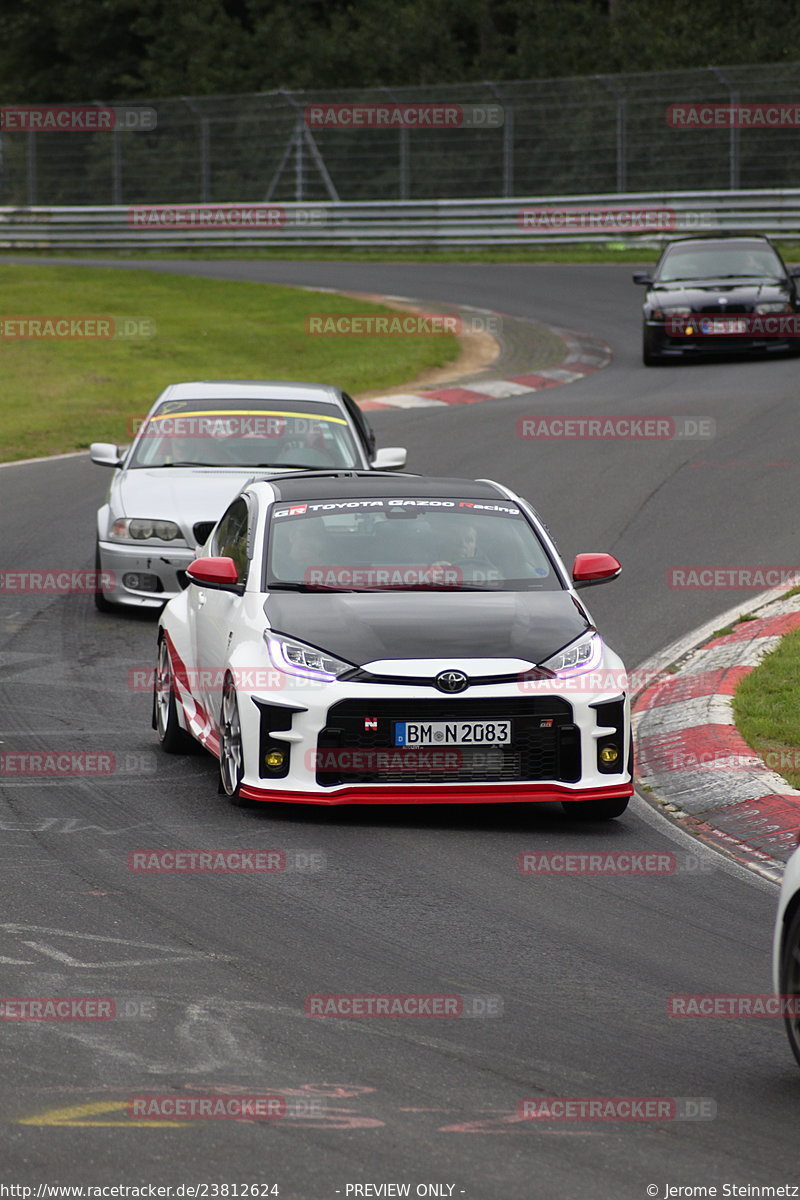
[(489, 793)]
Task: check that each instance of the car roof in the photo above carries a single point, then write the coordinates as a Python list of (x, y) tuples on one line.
[(721, 239), (252, 389), (331, 485)]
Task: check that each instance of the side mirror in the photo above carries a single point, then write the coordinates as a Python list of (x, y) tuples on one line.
[(794, 272), (218, 573), (105, 454), (390, 458), (589, 569), (641, 277)]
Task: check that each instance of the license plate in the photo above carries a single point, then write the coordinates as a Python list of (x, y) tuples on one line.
[(452, 733), (723, 325)]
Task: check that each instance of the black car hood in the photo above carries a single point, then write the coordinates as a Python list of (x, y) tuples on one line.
[(746, 291), (361, 627)]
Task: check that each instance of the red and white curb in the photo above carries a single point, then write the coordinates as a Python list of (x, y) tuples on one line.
[(583, 354), (693, 758)]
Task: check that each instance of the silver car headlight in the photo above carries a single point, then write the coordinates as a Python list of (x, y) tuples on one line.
[(774, 306), (139, 529), (296, 658), (584, 654)]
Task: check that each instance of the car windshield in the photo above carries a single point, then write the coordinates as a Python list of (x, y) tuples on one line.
[(403, 544), (246, 433), (718, 260)]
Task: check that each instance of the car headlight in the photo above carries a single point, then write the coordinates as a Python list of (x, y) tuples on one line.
[(139, 529), (584, 654), (672, 310), (774, 306), (296, 658)]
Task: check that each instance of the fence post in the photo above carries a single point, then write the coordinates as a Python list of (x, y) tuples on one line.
[(622, 133), (734, 143), (116, 168)]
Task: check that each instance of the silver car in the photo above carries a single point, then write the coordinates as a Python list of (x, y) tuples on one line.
[(193, 453)]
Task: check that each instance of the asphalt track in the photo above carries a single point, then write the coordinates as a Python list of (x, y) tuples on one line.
[(409, 902)]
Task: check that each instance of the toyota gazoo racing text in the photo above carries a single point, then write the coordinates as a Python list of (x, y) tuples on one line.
[(361, 638)]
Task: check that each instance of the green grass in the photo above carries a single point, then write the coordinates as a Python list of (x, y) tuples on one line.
[(583, 252), (766, 708), (59, 395)]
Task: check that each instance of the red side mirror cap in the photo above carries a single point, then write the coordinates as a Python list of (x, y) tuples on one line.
[(215, 572), (589, 569)]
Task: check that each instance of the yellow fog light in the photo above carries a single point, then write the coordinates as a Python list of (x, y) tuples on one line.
[(274, 759), (689, 331), (609, 754)]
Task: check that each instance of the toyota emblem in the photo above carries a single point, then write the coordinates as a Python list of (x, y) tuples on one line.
[(451, 681)]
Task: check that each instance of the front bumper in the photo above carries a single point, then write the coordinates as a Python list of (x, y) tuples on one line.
[(554, 755), (120, 559), (660, 342)]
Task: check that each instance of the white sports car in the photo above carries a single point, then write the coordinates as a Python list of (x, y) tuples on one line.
[(196, 448), (786, 948), (363, 638)]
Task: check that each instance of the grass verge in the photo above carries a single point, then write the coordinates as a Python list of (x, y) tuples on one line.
[(766, 708), (60, 394)]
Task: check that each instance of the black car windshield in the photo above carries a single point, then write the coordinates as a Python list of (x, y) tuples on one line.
[(404, 544), (719, 260), (246, 433)]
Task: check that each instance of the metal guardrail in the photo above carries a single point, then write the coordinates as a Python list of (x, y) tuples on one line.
[(631, 217)]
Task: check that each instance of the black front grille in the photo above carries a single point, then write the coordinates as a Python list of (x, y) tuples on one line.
[(722, 310), (201, 531), (545, 743)]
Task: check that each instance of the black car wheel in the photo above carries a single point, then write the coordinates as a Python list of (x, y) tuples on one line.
[(231, 751), (649, 358), (604, 809), (790, 978), (174, 739)]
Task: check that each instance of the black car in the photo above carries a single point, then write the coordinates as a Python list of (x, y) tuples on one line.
[(719, 295)]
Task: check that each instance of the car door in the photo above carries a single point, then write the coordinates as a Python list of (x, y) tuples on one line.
[(216, 609)]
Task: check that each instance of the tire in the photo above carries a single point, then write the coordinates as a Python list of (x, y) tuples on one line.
[(101, 604), (648, 357), (231, 751), (604, 809), (790, 977), (173, 739)]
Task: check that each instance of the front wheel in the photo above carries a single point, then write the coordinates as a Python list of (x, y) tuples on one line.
[(231, 751), (604, 809), (790, 979), (174, 740)]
